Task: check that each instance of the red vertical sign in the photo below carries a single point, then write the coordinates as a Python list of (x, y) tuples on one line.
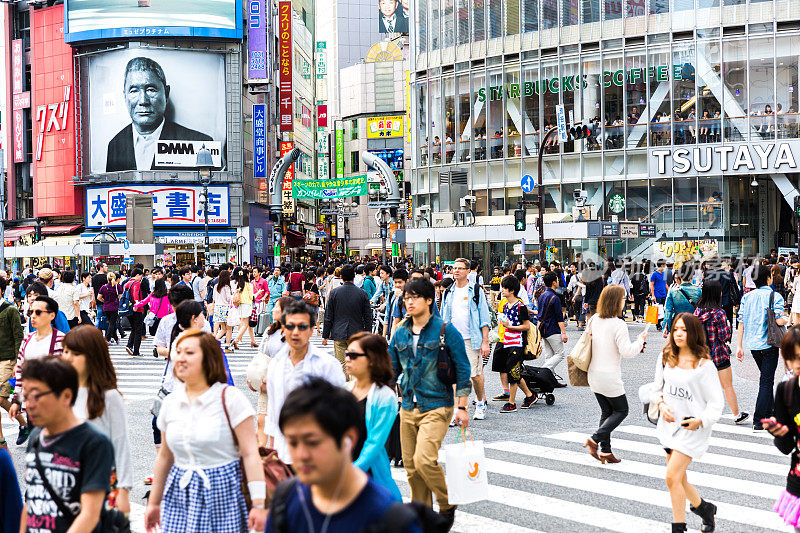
[(322, 115), (17, 80), (285, 62), (17, 65)]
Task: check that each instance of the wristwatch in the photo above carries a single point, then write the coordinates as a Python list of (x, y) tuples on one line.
[(462, 408), (259, 506)]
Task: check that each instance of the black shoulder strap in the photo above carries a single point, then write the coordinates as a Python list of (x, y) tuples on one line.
[(687, 297), (56, 499), (398, 517), (278, 505)]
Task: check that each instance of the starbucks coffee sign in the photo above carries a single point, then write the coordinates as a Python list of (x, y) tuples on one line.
[(619, 78), (740, 158)]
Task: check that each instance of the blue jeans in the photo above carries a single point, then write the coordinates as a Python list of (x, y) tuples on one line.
[(767, 361), (99, 318)]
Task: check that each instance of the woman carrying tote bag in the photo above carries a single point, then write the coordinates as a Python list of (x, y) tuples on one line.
[(610, 343)]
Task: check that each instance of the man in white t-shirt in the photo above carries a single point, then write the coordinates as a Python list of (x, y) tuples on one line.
[(471, 319)]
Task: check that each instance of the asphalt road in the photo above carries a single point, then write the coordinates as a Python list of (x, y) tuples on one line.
[(540, 477)]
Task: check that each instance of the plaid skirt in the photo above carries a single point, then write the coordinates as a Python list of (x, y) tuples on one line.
[(218, 507)]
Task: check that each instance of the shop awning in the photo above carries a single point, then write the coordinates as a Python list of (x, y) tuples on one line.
[(295, 239), (13, 234), (61, 230)]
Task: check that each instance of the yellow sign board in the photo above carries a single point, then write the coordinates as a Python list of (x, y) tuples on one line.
[(383, 127)]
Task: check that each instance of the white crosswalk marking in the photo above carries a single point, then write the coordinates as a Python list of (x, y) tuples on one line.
[(139, 378)]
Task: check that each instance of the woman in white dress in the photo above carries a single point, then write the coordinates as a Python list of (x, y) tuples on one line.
[(222, 304), (690, 400)]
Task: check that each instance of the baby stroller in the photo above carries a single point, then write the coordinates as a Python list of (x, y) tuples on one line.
[(541, 381)]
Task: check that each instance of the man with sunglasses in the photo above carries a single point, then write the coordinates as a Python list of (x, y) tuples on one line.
[(291, 366), (46, 340)]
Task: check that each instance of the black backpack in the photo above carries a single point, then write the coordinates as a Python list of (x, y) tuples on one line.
[(397, 518)]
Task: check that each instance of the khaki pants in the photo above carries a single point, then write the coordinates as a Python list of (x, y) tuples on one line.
[(339, 347), (421, 436)]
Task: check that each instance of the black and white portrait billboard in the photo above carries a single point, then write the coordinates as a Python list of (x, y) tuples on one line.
[(154, 109), (393, 16)]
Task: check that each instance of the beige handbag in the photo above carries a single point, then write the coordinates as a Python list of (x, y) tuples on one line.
[(581, 354)]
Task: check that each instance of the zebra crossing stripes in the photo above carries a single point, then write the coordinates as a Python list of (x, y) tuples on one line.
[(710, 458), (562, 482), (139, 378)]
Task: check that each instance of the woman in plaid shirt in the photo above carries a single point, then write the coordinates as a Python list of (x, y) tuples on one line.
[(718, 335)]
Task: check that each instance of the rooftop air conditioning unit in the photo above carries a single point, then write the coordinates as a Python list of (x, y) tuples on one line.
[(443, 219)]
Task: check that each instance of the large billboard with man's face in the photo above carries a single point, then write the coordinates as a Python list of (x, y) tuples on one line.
[(107, 19), (393, 16), (154, 109)]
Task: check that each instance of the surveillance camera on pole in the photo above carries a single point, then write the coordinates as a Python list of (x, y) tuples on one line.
[(581, 196)]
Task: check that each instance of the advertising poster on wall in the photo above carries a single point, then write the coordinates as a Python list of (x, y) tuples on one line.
[(104, 19), (393, 16), (172, 205), (383, 127), (393, 157), (155, 109)]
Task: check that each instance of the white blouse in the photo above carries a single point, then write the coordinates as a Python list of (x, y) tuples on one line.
[(610, 343), (197, 432), (113, 424)]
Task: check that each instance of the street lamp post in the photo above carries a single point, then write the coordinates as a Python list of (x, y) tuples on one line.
[(204, 166), (545, 138)]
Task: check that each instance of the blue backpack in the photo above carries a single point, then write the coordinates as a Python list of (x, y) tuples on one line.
[(125, 303)]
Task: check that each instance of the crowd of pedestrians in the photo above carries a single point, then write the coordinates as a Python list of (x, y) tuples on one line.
[(410, 347)]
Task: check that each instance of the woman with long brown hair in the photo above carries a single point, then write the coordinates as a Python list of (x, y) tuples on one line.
[(367, 361), (101, 404), (610, 343), (223, 297), (690, 400)]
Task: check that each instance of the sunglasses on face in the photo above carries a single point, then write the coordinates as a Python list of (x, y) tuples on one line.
[(301, 327), (354, 355), (38, 312)]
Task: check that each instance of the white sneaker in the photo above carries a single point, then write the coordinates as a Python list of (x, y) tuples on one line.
[(480, 411)]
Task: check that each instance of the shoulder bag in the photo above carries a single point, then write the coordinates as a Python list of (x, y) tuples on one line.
[(150, 318), (775, 332), (275, 470), (111, 520), (579, 359)]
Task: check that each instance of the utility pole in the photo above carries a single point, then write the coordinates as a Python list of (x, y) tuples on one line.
[(547, 135)]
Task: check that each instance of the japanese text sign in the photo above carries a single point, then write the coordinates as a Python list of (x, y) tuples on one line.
[(257, 42), (332, 188), (172, 205), (285, 63), (382, 127), (259, 141)]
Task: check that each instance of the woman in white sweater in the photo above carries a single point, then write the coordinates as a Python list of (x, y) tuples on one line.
[(101, 404), (689, 397), (610, 343)]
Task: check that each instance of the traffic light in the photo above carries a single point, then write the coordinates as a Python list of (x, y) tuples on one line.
[(797, 205), (580, 132), (519, 220)]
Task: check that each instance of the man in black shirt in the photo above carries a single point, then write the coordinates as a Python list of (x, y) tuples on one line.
[(98, 280), (66, 452)]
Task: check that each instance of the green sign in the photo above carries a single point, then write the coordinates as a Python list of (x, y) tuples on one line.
[(335, 188), (616, 204), (339, 153), (575, 82), (395, 250)]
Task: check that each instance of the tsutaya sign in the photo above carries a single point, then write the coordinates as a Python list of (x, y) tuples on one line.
[(741, 158), (657, 73)]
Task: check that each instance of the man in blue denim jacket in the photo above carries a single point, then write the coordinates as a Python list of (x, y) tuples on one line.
[(471, 319), (427, 403)]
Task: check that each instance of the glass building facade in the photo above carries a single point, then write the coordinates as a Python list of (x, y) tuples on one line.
[(645, 76)]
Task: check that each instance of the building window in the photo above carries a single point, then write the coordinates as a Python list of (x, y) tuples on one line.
[(354, 129), (354, 156), (478, 20)]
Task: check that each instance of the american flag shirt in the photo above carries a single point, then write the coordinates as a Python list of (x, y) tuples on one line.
[(516, 315)]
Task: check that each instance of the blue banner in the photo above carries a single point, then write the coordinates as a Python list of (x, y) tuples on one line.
[(259, 141)]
